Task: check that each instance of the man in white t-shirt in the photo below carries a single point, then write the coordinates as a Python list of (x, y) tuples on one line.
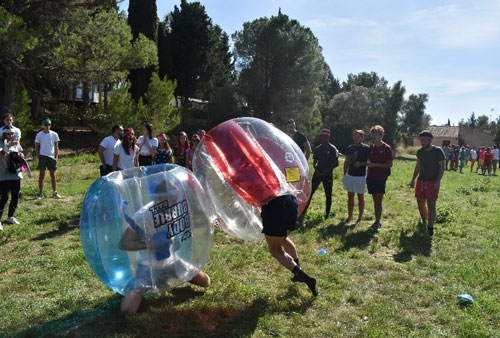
[(106, 148), (47, 151), (8, 121), (496, 156), (473, 157)]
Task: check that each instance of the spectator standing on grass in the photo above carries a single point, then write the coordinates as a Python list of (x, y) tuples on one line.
[(10, 182), (456, 157), (446, 150), (481, 160), (354, 180), (181, 148), (451, 157), (429, 170), (325, 159), (47, 152), (8, 121), (299, 138), (462, 155), (106, 148), (488, 159), (496, 156), (473, 157), (127, 152), (164, 152), (467, 155), (195, 139), (148, 144), (379, 168)]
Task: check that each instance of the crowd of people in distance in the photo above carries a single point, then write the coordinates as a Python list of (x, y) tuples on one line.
[(123, 150), (484, 158)]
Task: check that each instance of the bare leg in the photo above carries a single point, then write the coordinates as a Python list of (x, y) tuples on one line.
[(41, 177), (377, 204), (431, 206), (290, 248), (130, 303), (53, 179), (201, 279), (361, 206), (275, 245), (350, 205), (422, 208)]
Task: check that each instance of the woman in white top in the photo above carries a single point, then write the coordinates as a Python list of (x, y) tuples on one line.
[(148, 144), (125, 153), (10, 181)]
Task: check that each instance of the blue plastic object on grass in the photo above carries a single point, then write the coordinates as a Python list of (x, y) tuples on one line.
[(466, 298), (321, 252)]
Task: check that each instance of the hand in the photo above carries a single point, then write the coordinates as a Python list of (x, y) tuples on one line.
[(412, 184), (437, 184)]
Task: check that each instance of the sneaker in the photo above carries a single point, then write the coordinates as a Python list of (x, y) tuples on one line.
[(40, 196), (56, 195), (376, 226), (12, 220)]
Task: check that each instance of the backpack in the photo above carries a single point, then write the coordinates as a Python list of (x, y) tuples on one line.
[(14, 164)]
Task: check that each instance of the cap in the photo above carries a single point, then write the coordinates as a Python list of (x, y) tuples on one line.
[(47, 121), (195, 137), (129, 131)]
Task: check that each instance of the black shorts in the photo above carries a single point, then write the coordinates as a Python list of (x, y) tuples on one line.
[(45, 162), (280, 216), (375, 187)]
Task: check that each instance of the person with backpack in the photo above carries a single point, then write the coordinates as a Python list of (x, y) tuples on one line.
[(379, 168), (47, 151), (10, 174)]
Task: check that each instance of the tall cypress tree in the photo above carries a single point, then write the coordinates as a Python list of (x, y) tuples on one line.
[(143, 19)]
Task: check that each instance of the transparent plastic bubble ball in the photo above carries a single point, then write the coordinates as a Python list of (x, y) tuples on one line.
[(244, 163), (147, 229)]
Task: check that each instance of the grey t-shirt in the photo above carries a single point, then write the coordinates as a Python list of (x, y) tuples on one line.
[(4, 174), (429, 163)]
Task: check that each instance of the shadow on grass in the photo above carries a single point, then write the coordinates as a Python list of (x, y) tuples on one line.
[(63, 226), (360, 239), (419, 243), (168, 315), (339, 229)]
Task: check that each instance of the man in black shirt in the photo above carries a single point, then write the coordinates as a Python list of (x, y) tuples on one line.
[(354, 174), (299, 138), (325, 159)]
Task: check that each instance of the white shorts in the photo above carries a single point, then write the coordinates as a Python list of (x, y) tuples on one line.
[(355, 184)]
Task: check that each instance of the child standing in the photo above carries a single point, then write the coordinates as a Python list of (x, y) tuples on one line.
[(195, 139), (181, 148)]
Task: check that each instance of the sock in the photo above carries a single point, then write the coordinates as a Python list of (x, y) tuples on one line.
[(301, 276), (294, 277), (296, 260)]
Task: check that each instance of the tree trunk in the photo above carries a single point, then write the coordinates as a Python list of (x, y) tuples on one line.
[(7, 87), (36, 106), (85, 97)]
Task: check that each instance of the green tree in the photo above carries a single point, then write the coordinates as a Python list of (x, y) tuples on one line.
[(413, 116), (280, 68), (483, 123), (363, 79), (143, 19), (472, 122)]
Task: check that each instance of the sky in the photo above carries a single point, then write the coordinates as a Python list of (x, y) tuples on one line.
[(447, 49)]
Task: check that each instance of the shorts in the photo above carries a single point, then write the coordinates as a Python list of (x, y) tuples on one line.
[(354, 184), (375, 187), (481, 162), (425, 190), (46, 162), (280, 216), (462, 163), (145, 160), (494, 162), (473, 161)]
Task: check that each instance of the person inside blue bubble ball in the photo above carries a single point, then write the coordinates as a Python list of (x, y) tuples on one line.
[(153, 253)]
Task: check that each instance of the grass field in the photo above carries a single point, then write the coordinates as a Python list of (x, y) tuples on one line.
[(404, 285)]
